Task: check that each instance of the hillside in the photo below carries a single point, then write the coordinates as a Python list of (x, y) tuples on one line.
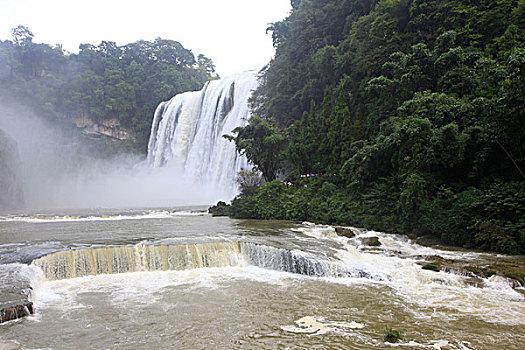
[(108, 91), (409, 114)]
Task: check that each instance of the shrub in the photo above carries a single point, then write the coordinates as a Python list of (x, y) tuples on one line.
[(271, 201), (392, 335)]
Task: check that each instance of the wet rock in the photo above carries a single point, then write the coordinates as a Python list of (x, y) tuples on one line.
[(391, 339), (509, 269), (440, 281), (345, 232), (221, 209), (511, 275), (371, 241), (14, 312), (428, 241), (432, 267), (105, 127)]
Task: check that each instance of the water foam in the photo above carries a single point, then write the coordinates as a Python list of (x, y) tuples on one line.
[(317, 325), (153, 214), (431, 294), (147, 287), (496, 301)]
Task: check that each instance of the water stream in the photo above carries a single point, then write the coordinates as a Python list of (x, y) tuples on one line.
[(178, 278)]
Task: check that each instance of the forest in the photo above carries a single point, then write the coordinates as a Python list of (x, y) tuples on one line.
[(395, 115), (106, 81)]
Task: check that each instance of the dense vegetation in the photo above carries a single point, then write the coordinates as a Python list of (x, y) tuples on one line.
[(102, 82), (413, 111)]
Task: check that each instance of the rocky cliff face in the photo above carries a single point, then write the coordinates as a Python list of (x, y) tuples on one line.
[(11, 194), (106, 128)]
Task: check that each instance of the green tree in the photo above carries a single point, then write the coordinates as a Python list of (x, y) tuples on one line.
[(262, 143), (102, 81), (415, 106), (22, 35)]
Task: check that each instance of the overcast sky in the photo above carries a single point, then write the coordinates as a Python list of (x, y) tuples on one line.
[(230, 32)]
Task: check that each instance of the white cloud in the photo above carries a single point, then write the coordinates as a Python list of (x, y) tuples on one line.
[(231, 32)]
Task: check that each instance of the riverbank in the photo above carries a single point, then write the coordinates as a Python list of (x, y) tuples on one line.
[(321, 201), (488, 219)]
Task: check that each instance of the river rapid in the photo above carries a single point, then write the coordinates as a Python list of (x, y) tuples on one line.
[(181, 279)]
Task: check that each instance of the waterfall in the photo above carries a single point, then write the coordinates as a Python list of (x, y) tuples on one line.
[(186, 133), (299, 262), (148, 257), (121, 259)]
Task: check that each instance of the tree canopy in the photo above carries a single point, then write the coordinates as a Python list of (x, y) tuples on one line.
[(418, 109), (262, 144), (105, 81)]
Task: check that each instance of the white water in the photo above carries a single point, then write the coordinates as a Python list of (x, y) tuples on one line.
[(148, 214), (187, 131), (448, 294), (395, 263), (303, 286)]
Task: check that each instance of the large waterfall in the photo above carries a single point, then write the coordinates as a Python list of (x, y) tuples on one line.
[(186, 134)]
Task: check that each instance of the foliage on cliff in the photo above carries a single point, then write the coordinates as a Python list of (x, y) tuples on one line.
[(418, 107), (105, 81), (262, 143)]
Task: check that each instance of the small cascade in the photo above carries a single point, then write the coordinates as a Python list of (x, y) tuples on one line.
[(298, 262), (187, 131), (121, 259), (192, 256), (147, 257)]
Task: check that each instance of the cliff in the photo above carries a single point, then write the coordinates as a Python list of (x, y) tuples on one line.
[(110, 128), (11, 194)]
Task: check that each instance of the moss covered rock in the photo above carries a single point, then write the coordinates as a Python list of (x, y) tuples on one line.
[(432, 267), (371, 241), (221, 209), (345, 231)]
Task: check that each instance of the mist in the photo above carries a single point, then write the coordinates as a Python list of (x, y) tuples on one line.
[(61, 169)]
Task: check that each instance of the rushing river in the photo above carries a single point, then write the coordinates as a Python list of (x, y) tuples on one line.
[(180, 279)]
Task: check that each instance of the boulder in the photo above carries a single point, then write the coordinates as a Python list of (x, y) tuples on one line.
[(432, 267), (14, 312), (371, 241), (221, 209), (345, 231)]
